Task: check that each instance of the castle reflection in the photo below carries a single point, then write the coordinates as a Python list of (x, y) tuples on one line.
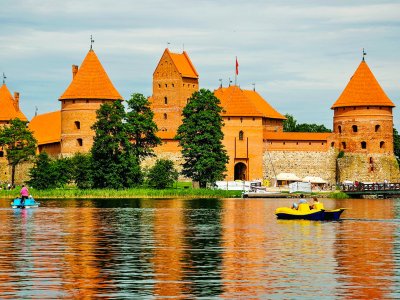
[(201, 248)]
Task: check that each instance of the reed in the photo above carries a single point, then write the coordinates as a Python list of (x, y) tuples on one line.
[(126, 193)]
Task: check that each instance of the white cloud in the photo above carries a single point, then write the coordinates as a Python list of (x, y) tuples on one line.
[(295, 51)]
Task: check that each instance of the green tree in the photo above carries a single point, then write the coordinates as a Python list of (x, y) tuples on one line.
[(82, 170), (290, 125), (200, 136), (113, 161), (163, 174), (396, 144), (19, 143), (63, 171), (42, 174), (140, 126)]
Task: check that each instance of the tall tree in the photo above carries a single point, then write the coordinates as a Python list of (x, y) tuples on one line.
[(140, 126), (114, 163), (19, 143), (200, 136)]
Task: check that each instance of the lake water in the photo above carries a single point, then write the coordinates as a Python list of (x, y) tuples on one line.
[(198, 249)]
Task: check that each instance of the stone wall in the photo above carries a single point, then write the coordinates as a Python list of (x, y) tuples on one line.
[(176, 157), (367, 168), (301, 163), (21, 173)]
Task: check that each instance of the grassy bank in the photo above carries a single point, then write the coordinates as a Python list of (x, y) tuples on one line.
[(128, 193)]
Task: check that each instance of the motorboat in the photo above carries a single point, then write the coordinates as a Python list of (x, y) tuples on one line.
[(306, 213), (28, 203)]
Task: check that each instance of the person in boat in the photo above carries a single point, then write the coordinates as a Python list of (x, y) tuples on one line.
[(315, 203), (24, 194), (301, 201)]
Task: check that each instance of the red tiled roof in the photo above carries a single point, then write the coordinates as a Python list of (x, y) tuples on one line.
[(297, 136), (91, 82), (363, 90), (183, 64), (46, 127), (238, 102), (8, 110)]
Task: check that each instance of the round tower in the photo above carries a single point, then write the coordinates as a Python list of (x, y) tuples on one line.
[(363, 128), (90, 87)]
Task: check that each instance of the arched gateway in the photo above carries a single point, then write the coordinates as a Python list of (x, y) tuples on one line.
[(240, 171)]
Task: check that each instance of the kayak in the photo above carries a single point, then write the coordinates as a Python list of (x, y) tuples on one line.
[(28, 203), (305, 213)]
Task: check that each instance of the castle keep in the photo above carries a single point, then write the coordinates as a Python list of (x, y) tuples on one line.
[(359, 148)]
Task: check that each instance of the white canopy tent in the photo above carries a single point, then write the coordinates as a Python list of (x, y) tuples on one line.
[(314, 179), (287, 177)]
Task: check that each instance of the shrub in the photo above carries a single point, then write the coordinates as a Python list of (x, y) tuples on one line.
[(162, 175)]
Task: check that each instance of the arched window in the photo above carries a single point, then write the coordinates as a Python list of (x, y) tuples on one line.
[(165, 116), (333, 144), (355, 128), (241, 135), (77, 125), (382, 144), (1, 153), (340, 129), (80, 142), (363, 145), (377, 128), (343, 145), (165, 100)]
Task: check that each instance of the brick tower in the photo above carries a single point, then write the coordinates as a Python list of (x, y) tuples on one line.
[(174, 81), (90, 87), (363, 129)]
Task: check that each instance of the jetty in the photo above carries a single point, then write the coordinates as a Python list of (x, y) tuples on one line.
[(378, 190)]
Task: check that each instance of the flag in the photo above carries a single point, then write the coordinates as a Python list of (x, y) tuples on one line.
[(237, 67)]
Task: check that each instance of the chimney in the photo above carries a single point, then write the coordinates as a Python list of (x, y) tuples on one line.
[(16, 100), (74, 71)]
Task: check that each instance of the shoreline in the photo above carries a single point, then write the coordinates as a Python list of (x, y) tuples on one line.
[(69, 193)]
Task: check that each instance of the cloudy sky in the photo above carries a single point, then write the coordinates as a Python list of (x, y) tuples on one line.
[(299, 54)]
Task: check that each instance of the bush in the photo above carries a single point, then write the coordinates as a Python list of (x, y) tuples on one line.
[(162, 175)]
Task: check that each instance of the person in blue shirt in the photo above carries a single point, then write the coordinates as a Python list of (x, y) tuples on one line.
[(301, 200)]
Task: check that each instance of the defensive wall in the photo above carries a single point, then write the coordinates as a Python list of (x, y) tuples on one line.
[(301, 163)]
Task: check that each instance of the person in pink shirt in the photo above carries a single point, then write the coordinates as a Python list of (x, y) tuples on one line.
[(24, 194)]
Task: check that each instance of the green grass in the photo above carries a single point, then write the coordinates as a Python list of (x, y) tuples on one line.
[(127, 193), (338, 195)]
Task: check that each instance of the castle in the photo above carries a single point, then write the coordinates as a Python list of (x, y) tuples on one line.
[(359, 148)]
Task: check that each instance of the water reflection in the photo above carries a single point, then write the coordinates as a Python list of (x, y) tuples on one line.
[(173, 248)]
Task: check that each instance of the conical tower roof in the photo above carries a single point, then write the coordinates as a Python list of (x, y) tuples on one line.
[(363, 90), (8, 110), (91, 82)]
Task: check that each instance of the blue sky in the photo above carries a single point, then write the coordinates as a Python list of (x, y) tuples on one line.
[(299, 54)]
